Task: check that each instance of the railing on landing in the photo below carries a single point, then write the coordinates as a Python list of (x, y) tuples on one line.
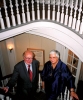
[(4, 96), (68, 13)]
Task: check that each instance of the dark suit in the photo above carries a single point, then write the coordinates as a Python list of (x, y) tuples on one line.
[(25, 88)]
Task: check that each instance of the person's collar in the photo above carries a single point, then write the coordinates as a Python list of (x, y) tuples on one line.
[(27, 64)]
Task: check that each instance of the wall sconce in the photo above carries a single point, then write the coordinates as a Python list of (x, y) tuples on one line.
[(10, 48)]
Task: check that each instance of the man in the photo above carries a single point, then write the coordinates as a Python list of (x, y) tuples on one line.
[(56, 76), (26, 87)]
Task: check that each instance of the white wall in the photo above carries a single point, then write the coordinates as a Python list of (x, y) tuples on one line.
[(11, 54), (52, 31)]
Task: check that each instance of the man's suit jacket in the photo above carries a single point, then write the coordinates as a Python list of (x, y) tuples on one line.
[(21, 77)]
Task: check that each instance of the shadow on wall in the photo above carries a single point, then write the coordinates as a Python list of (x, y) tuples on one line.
[(0, 76)]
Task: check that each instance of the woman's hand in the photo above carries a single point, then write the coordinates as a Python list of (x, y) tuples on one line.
[(74, 95)]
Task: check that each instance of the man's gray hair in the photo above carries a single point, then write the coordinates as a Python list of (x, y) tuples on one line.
[(56, 52)]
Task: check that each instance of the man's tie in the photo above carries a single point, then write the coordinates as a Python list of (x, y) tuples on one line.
[(30, 73)]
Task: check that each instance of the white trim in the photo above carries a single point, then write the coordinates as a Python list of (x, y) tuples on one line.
[(77, 73), (52, 31)]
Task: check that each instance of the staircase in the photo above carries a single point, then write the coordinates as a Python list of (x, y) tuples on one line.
[(40, 94)]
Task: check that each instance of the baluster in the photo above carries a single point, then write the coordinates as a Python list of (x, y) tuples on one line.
[(1, 21), (70, 17), (58, 12), (7, 98), (23, 14), (58, 98), (53, 12), (13, 90), (78, 21), (48, 10), (81, 26), (62, 14), (65, 94), (33, 13), (68, 95), (28, 13), (43, 11), (61, 96), (2, 97), (39, 83), (38, 12), (6, 81), (2, 81), (12, 14), (6, 14), (18, 15), (66, 16), (74, 19)]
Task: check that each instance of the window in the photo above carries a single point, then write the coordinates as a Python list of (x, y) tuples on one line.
[(72, 62)]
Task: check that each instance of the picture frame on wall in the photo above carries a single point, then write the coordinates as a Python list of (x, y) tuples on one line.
[(38, 55)]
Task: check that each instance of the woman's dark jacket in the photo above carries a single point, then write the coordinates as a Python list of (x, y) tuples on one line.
[(56, 79)]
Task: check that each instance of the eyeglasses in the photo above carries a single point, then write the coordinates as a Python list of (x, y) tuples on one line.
[(28, 58)]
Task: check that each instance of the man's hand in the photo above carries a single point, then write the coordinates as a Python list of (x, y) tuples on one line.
[(5, 89)]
